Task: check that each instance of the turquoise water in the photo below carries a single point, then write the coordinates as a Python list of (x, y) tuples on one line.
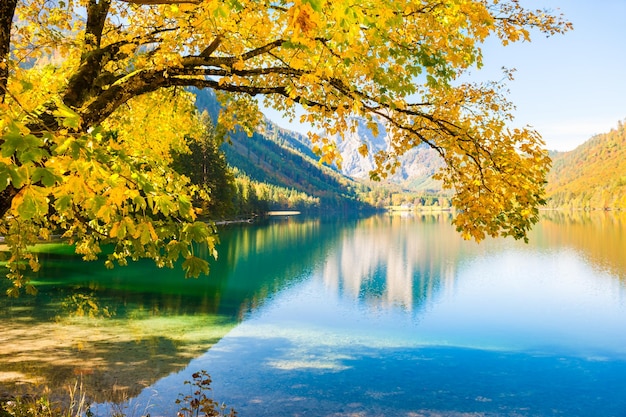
[(384, 316)]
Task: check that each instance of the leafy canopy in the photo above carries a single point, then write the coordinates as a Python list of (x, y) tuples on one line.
[(91, 107)]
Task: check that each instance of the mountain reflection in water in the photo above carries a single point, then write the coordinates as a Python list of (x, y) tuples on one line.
[(292, 302)]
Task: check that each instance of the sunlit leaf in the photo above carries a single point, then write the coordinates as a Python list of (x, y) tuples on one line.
[(31, 202), (195, 266)]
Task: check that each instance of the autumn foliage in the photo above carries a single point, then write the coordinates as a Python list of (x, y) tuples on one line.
[(593, 176), (92, 102)]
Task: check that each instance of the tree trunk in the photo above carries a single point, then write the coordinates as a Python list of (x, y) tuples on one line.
[(81, 85), (7, 10)]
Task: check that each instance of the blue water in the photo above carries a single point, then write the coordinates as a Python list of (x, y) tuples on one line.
[(399, 317)]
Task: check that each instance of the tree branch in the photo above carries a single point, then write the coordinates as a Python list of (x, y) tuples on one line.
[(82, 83), (232, 88), (156, 2), (212, 47), (120, 92), (205, 60), (96, 17)]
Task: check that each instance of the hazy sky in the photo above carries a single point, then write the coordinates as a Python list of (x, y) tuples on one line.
[(573, 86), (568, 87)]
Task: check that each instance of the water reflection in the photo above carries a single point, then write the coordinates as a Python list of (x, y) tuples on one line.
[(121, 330), (292, 302), (403, 318), (395, 261), (598, 236)]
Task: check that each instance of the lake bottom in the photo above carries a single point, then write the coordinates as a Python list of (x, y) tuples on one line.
[(384, 316), (257, 378)]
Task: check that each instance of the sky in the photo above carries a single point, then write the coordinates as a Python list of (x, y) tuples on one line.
[(568, 87)]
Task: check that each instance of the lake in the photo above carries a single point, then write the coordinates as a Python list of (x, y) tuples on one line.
[(390, 315)]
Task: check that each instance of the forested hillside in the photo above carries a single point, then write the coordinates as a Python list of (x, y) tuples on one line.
[(593, 176), (263, 159), (281, 168)]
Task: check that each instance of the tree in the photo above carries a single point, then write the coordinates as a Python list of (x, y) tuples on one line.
[(395, 61), (206, 166)]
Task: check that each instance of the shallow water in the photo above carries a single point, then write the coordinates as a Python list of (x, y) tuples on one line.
[(385, 316)]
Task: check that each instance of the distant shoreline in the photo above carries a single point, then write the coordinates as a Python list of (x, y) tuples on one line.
[(283, 213), (276, 213)]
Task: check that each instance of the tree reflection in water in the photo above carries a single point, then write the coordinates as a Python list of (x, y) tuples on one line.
[(122, 330)]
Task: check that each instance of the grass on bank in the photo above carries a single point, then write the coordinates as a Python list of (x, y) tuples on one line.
[(197, 402)]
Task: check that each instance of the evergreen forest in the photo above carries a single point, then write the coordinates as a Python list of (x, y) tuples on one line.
[(272, 169)]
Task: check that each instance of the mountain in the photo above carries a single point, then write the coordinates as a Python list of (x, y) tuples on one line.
[(592, 176), (283, 158), (417, 166)]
